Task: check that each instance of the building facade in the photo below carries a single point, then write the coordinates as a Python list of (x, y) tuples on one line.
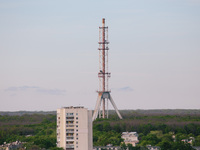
[(74, 128), (130, 138)]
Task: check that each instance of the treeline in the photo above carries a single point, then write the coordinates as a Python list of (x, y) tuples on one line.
[(119, 127), (20, 113), (161, 112), (25, 119), (112, 112)]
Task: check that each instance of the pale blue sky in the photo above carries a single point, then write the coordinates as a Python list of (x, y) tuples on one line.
[(49, 56)]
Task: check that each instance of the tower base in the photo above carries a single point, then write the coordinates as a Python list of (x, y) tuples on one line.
[(101, 97)]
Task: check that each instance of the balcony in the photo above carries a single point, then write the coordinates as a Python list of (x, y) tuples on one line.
[(70, 139), (70, 131), (69, 146), (69, 125), (69, 119)]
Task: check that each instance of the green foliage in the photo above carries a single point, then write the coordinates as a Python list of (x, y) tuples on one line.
[(158, 134), (33, 147), (56, 148), (130, 147), (150, 139), (123, 146), (104, 138), (197, 141), (45, 141), (181, 146), (154, 127), (106, 126), (165, 145), (38, 131), (103, 135)]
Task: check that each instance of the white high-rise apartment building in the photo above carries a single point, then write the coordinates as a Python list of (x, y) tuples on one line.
[(74, 128)]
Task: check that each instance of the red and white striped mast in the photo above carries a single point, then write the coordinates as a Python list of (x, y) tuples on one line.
[(103, 75)]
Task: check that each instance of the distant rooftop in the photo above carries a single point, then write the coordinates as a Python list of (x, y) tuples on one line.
[(71, 107), (129, 132)]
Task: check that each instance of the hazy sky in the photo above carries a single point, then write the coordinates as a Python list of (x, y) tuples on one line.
[(49, 56)]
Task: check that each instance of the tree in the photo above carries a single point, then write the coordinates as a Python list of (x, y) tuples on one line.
[(197, 141), (56, 148), (130, 147), (106, 126), (123, 146), (34, 147), (150, 139), (181, 146), (165, 145)]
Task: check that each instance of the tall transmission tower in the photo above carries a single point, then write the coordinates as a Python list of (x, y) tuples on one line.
[(103, 75)]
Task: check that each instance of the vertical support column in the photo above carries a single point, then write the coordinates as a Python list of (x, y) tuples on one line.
[(103, 63), (107, 108)]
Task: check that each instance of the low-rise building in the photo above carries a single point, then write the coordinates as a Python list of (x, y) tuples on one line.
[(130, 138), (189, 140), (11, 146), (149, 147), (106, 148)]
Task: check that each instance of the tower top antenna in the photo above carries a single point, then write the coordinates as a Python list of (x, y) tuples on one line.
[(103, 20)]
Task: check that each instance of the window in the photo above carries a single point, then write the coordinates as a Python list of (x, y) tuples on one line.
[(77, 126), (69, 130), (76, 121), (69, 114), (76, 113), (76, 117), (70, 117)]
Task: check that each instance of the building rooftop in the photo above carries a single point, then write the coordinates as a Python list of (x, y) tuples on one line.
[(71, 107), (130, 133)]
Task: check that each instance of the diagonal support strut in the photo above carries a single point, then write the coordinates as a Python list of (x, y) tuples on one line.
[(102, 96)]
